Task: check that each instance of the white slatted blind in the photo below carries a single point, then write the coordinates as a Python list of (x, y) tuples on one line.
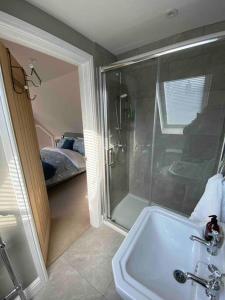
[(184, 99)]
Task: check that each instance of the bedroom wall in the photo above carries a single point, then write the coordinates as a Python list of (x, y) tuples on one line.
[(57, 106), (45, 138)]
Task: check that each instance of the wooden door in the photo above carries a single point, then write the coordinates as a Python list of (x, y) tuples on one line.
[(24, 128)]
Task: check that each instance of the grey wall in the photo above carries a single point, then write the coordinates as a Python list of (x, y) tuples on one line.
[(219, 26), (28, 13)]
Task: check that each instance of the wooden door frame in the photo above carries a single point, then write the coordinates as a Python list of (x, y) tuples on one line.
[(18, 31)]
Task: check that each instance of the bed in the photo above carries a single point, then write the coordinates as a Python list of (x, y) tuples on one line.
[(64, 161)]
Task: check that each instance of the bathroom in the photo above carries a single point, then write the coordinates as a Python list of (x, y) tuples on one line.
[(153, 110)]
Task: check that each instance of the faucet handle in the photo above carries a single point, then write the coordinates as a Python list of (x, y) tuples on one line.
[(216, 276), (215, 282), (215, 271), (212, 268), (216, 236)]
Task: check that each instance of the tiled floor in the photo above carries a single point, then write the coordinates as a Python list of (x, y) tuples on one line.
[(84, 271)]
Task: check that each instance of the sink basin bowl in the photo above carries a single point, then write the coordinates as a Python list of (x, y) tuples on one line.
[(159, 243)]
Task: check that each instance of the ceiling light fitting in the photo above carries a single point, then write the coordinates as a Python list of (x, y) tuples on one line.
[(171, 13)]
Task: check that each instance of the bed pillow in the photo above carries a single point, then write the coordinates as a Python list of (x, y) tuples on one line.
[(68, 144), (49, 170), (78, 146), (62, 141)]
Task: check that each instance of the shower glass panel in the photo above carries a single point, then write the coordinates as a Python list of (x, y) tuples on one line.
[(189, 127), (130, 118), (13, 216), (165, 126)]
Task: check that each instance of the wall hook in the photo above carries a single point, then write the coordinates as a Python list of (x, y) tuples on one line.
[(28, 78)]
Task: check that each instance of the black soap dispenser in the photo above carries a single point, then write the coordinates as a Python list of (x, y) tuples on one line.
[(210, 226)]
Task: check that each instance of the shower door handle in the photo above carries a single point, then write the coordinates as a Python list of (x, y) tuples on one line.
[(110, 157)]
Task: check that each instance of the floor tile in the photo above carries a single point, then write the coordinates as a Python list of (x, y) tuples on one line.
[(111, 293), (65, 283), (84, 271), (97, 269), (92, 254), (103, 240)]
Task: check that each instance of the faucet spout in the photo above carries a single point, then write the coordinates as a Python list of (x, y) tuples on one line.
[(213, 245), (197, 279), (198, 239)]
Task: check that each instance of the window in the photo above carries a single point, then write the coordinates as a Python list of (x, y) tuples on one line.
[(180, 101)]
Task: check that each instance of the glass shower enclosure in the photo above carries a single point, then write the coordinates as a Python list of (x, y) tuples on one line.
[(164, 120)]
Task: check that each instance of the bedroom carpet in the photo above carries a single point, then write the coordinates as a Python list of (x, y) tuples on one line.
[(69, 215)]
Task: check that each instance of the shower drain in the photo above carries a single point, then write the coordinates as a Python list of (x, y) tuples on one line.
[(180, 276)]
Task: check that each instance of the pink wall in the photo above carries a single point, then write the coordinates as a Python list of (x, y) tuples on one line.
[(58, 106)]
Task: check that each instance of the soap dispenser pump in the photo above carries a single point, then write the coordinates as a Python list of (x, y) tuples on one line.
[(210, 226)]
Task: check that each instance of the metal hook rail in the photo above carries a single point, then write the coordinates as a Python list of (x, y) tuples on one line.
[(28, 78)]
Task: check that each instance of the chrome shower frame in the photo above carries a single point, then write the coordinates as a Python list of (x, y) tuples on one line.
[(173, 48), (103, 105)]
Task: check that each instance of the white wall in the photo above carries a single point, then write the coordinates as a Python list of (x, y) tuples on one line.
[(45, 138), (57, 106)]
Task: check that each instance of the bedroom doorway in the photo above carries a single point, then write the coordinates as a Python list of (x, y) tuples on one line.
[(57, 117), (25, 34)]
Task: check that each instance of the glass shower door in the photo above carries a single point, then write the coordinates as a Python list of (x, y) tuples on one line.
[(165, 130), (129, 112), (189, 129), (116, 140)]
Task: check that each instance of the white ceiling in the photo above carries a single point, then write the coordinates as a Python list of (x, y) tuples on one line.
[(47, 66), (122, 25)]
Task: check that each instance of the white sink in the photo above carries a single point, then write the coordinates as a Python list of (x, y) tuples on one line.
[(159, 243)]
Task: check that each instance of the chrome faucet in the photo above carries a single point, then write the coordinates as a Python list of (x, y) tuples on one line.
[(213, 245), (212, 286)]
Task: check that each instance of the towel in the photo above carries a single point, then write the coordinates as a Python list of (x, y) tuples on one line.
[(212, 201)]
